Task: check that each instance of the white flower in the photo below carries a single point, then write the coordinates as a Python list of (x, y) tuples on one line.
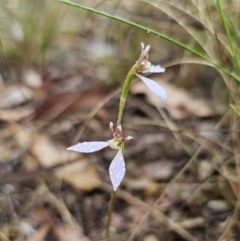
[(117, 167), (144, 66)]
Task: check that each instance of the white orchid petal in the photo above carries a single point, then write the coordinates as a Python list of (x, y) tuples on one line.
[(119, 127), (128, 138), (111, 125), (156, 69), (117, 170), (154, 87), (88, 147), (146, 50)]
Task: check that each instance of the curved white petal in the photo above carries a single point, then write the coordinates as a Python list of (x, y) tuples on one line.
[(154, 87), (146, 50), (156, 69), (117, 170), (87, 147)]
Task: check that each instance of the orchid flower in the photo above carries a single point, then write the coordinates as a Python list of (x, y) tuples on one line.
[(144, 67), (117, 167)]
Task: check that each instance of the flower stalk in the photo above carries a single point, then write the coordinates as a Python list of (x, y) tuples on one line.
[(117, 167), (124, 94)]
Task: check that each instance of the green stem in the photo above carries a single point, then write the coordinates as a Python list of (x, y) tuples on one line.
[(110, 210), (122, 101), (125, 90)]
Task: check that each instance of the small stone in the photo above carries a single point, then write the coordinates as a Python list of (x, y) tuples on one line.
[(205, 169), (218, 207), (161, 170)]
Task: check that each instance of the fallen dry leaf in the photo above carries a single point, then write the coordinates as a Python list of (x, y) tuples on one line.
[(16, 114), (41, 233), (81, 174), (180, 104), (32, 78), (57, 104), (14, 95), (66, 233), (161, 170)]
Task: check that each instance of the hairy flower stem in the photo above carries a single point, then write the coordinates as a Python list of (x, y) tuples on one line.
[(127, 82), (110, 210), (125, 90), (122, 101)]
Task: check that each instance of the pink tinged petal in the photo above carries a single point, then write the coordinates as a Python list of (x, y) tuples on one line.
[(117, 170), (88, 147), (154, 87), (142, 45), (156, 69)]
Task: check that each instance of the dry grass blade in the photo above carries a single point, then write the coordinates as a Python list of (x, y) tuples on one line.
[(189, 163), (211, 42), (203, 36), (161, 217), (182, 170)]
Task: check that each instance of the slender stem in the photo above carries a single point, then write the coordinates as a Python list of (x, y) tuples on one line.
[(125, 90), (110, 210)]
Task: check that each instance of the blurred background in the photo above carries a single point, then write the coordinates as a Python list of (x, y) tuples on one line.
[(61, 73)]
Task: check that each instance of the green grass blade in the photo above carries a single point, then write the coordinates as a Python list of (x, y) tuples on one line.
[(227, 30), (235, 109), (163, 36)]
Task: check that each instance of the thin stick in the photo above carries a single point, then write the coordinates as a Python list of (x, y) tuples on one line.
[(110, 210)]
